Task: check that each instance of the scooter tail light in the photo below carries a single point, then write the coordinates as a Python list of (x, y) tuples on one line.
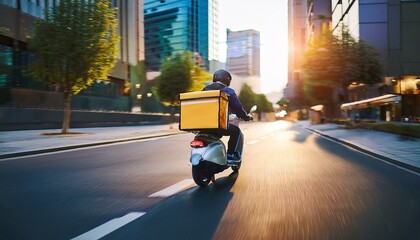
[(198, 143)]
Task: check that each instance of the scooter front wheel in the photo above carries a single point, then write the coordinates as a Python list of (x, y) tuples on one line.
[(200, 178)]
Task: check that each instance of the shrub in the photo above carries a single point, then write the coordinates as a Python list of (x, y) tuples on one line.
[(410, 130), (368, 121)]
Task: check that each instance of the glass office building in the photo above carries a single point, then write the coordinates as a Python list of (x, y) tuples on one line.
[(178, 26), (16, 23), (392, 27), (243, 56), (18, 88)]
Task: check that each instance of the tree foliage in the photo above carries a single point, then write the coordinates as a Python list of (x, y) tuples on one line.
[(338, 61), (263, 104), (75, 45), (323, 61), (249, 98), (179, 74), (175, 78), (368, 71), (199, 77), (283, 102), (334, 62)]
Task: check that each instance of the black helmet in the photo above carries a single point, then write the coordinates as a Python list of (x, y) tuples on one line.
[(222, 76)]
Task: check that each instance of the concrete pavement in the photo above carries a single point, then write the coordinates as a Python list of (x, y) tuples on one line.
[(27, 142), (402, 151)]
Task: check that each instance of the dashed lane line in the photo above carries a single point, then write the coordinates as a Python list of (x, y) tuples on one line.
[(252, 142), (173, 189), (109, 226), (119, 222), (116, 223)]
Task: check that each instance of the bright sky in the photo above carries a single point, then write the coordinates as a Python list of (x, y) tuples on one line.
[(269, 17)]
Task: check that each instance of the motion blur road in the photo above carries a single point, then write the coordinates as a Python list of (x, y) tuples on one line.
[(293, 184)]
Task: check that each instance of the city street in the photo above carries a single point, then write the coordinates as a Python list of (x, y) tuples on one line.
[(293, 184)]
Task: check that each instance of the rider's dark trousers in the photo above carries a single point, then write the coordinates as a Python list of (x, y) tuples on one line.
[(236, 139)]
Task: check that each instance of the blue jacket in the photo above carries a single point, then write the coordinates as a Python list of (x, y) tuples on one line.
[(235, 106)]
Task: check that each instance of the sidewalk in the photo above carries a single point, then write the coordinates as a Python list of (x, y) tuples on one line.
[(27, 142), (401, 151), (393, 148)]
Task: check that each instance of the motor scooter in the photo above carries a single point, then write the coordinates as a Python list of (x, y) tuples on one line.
[(208, 154)]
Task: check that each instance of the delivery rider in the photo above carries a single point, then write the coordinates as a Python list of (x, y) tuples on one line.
[(221, 81)]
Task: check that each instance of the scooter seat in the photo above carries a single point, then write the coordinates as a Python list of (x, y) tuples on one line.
[(209, 135)]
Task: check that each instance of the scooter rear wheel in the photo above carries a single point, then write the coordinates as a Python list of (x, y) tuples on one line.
[(200, 177)]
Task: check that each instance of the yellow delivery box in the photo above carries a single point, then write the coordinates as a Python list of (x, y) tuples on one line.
[(203, 110)]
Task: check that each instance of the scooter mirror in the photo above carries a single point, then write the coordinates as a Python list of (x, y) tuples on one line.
[(253, 109)]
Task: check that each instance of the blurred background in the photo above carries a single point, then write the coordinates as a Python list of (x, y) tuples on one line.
[(324, 60)]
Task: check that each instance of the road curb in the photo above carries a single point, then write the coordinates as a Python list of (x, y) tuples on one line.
[(70, 147), (387, 159)]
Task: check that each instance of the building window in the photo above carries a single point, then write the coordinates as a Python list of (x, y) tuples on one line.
[(6, 65), (11, 3)]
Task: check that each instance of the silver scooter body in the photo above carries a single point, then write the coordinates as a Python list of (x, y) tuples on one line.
[(208, 155), (215, 151)]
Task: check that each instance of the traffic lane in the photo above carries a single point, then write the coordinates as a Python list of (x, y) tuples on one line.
[(261, 130), (289, 187), (192, 214), (76, 186), (182, 141), (65, 194), (396, 191), (292, 188), (198, 213), (207, 204)]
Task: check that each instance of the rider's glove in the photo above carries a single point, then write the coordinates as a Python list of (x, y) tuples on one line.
[(249, 118)]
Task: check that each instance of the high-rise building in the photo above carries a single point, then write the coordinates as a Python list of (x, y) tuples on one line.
[(243, 52), (297, 40), (318, 19), (392, 27), (17, 88), (306, 21), (178, 26)]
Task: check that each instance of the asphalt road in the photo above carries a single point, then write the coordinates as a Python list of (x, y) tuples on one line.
[(293, 184)]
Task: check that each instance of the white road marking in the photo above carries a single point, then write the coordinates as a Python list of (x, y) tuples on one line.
[(365, 153), (253, 142), (116, 223), (80, 148), (109, 226), (173, 189)]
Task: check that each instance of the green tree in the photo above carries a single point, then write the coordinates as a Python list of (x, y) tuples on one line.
[(334, 62), (370, 69), (75, 45), (199, 77), (323, 61), (179, 74), (247, 97), (283, 102), (263, 104)]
